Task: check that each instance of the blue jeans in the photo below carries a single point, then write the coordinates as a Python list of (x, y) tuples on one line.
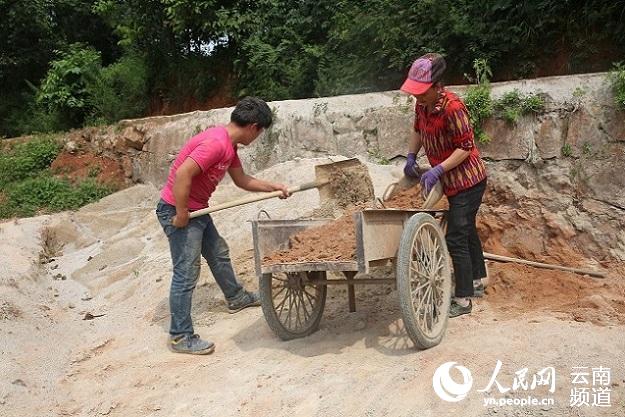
[(463, 242), (199, 237)]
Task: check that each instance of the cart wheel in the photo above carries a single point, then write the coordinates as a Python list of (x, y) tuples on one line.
[(424, 280), (292, 303)]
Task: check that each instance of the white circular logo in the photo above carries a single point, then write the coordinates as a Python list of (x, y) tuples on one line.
[(446, 388)]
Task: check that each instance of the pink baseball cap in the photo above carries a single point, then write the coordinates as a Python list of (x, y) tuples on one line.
[(424, 72)]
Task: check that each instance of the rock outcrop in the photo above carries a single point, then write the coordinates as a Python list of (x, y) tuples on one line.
[(571, 157)]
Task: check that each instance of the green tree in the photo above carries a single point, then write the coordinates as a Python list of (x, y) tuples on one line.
[(65, 90), (30, 32), (119, 91), (183, 50)]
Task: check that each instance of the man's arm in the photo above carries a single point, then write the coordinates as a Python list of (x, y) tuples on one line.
[(249, 183), (182, 189)]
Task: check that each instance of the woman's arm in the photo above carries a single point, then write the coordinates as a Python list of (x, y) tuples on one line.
[(415, 144), (455, 159)]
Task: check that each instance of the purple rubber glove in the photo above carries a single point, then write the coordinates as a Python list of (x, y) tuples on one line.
[(431, 177), (411, 169)]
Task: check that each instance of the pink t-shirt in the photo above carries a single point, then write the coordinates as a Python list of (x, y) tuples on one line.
[(214, 152)]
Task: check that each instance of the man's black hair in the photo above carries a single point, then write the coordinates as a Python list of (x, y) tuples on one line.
[(252, 110)]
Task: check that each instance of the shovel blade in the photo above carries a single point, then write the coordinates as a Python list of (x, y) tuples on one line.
[(344, 182)]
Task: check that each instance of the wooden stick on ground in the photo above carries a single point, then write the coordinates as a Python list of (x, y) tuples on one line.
[(493, 257)]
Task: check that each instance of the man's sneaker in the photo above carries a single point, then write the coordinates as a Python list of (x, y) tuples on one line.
[(456, 309), (192, 344), (243, 300), (478, 288)]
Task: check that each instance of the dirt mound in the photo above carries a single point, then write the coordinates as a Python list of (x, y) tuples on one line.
[(524, 231), (518, 289), (336, 240), (349, 186), (524, 228), (77, 167)]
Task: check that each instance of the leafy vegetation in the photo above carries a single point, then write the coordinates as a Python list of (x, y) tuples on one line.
[(27, 187), (480, 106), (567, 150), (64, 91), (478, 100), (513, 104), (509, 107), (119, 91), (617, 79), (27, 159), (50, 194), (68, 62)]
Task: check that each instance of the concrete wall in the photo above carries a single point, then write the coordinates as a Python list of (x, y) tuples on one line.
[(580, 195), (377, 125)]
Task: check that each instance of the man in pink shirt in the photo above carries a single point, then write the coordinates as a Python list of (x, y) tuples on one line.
[(194, 175)]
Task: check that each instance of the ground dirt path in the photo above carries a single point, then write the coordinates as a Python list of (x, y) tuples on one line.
[(114, 262)]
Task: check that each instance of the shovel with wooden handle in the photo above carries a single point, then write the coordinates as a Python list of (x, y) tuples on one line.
[(324, 175)]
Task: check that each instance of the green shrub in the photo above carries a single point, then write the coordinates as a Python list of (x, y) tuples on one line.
[(46, 193), (532, 103), (27, 159), (28, 116), (30, 195), (567, 150), (119, 91), (27, 187), (480, 106), (617, 79), (64, 90), (510, 115), (89, 191), (510, 99), (513, 104)]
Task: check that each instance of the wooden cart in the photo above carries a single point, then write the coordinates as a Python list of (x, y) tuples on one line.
[(293, 295)]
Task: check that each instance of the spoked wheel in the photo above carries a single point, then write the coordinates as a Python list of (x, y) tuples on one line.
[(424, 280), (292, 303)]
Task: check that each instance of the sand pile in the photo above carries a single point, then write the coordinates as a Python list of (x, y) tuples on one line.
[(518, 289), (527, 289), (349, 186), (117, 263), (336, 240)]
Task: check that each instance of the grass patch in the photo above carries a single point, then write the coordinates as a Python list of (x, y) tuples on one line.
[(27, 159), (514, 104), (567, 150), (27, 187), (46, 193), (480, 106), (617, 80), (509, 107)]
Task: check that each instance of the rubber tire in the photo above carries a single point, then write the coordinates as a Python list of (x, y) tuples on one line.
[(404, 253), (271, 316)]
